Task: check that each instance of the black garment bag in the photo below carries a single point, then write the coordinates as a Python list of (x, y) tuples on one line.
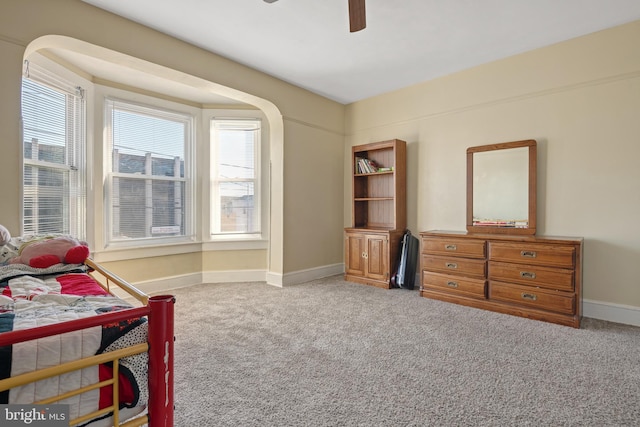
[(405, 275)]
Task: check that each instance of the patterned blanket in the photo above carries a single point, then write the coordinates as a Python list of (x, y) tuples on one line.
[(15, 270), (28, 301)]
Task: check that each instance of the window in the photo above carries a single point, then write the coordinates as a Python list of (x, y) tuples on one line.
[(53, 116), (150, 179), (235, 186)]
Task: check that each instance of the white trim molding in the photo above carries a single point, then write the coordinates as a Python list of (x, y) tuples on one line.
[(302, 276), (618, 313), (236, 276), (156, 286), (274, 279), (161, 286)]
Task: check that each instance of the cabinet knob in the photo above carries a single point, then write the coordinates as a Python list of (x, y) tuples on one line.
[(450, 247), (452, 265), (528, 254), (530, 297), (452, 284)]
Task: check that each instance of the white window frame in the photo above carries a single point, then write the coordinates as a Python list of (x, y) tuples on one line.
[(74, 166), (157, 109), (244, 124)]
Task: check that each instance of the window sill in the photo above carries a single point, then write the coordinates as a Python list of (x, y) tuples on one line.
[(139, 252)]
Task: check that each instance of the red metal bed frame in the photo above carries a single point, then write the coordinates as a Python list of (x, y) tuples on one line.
[(160, 313)]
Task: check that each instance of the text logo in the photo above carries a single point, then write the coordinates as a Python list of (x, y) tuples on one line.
[(34, 415)]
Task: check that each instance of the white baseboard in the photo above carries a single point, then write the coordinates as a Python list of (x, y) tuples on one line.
[(629, 315), (302, 276), (167, 283), (274, 279), (175, 282), (287, 279)]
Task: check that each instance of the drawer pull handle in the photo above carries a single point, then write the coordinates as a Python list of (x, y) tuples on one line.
[(530, 297), (452, 265), (527, 275), (528, 254), (452, 284), (450, 247)]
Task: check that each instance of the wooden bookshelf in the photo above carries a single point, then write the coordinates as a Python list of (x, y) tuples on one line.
[(379, 211)]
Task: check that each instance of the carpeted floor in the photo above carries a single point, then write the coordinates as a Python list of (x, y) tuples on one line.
[(333, 353)]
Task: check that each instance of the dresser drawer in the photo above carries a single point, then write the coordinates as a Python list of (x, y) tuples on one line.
[(459, 266), (533, 275), (456, 247), (453, 284), (533, 254), (532, 297)]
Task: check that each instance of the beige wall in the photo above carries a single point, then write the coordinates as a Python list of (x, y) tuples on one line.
[(25, 25), (579, 99), (314, 158)]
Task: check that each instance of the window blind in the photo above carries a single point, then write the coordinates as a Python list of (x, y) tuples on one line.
[(54, 182), (150, 177)]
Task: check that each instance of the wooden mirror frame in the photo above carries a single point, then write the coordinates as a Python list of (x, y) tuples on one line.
[(531, 228)]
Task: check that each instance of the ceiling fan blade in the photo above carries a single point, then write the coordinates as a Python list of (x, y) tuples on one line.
[(357, 15)]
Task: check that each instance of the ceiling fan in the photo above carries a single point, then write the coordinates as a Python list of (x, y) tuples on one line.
[(357, 15)]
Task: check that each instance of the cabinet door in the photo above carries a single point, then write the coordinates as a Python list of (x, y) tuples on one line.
[(354, 251), (377, 257)]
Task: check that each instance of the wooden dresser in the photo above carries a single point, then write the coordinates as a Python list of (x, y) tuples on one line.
[(539, 277)]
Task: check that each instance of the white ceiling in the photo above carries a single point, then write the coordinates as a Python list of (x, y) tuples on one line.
[(307, 42)]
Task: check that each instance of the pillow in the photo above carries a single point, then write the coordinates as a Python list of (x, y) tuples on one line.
[(12, 247)]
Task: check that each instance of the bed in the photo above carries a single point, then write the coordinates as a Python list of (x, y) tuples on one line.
[(69, 338)]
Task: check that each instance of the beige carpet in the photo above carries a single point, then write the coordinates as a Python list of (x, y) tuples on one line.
[(332, 353)]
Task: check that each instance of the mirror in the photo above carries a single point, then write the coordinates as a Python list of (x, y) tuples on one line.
[(501, 188)]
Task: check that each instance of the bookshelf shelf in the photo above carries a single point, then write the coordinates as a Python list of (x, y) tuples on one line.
[(375, 173)]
